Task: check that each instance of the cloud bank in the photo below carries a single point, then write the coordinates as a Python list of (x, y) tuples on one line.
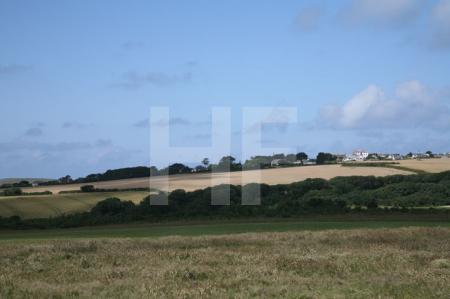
[(411, 105)]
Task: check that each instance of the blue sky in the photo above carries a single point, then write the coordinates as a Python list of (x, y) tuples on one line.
[(78, 78)]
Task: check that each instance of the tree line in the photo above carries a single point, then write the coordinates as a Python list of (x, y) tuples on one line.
[(226, 163)]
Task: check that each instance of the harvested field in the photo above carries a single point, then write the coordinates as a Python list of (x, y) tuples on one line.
[(360, 263), (428, 165), (43, 206), (191, 182)]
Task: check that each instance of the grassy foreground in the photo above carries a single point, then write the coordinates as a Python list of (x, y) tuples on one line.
[(359, 263)]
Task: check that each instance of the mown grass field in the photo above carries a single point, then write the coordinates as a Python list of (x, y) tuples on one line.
[(43, 206), (202, 228), (356, 263)]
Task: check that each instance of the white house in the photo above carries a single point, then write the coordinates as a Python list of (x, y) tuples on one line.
[(360, 155), (394, 157)]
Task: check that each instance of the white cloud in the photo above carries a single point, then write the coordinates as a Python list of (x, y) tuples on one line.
[(410, 106)]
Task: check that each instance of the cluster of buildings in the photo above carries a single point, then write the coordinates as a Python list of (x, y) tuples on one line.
[(363, 155), (358, 156)]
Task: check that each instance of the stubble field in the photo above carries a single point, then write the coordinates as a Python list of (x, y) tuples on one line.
[(43, 206), (190, 182), (428, 165)]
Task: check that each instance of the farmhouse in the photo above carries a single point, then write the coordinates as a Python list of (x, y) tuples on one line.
[(360, 155), (357, 155)]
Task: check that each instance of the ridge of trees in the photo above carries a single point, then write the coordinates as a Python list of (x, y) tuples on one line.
[(226, 163)]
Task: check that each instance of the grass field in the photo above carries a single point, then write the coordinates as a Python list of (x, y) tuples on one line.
[(42, 206), (218, 228), (357, 263)]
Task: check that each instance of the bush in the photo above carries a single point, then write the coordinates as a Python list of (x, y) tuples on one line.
[(112, 206), (87, 188), (12, 192)]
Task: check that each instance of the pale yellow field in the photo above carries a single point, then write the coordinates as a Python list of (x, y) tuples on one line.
[(429, 165), (43, 206), (268, 176)]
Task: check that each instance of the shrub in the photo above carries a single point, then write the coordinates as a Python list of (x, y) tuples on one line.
[(87, 188), (12, 192)]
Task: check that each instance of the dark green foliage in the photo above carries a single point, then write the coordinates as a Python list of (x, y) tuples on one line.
[(112, 206), (302, 156), (87, 188), (20, 184), (122, 173), (12, 191), (227, 163), (178, 168), (325, 158)]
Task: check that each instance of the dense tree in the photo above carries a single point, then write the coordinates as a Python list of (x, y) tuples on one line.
[(12, 191), (227, 163), (65, 179), (302, 157), (323, 158), (178, 168), (205, 162), (112, 206), (87, 188)]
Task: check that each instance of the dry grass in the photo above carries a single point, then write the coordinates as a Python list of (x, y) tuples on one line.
[(269, 176), (428, 165), (398, 263), (43, 206)]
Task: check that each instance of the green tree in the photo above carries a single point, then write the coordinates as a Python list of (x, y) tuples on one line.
[(227, 163), (323, 158), (302, 157), (205, 162), (87, 188)]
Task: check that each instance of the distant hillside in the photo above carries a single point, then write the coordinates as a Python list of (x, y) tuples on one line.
[(17, 180)]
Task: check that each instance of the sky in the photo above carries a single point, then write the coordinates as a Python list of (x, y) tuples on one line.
[(78, 79)]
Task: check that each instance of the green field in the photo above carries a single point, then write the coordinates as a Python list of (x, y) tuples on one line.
[(43, 206), (206, 228)]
